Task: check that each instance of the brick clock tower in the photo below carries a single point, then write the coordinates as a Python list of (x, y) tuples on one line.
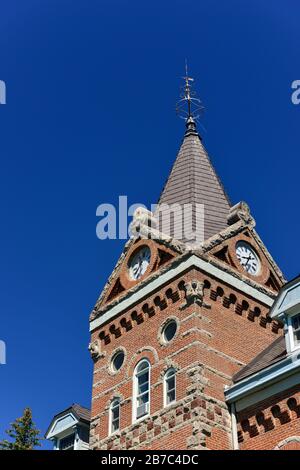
[(177, 319)]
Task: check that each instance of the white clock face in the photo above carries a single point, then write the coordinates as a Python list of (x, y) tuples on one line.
[(247, 258), (139, 263)]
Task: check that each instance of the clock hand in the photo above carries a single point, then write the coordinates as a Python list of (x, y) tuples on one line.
[(245, 257), (249, 258)]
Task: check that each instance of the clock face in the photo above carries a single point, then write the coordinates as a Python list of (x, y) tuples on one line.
[(139, 263), (247, 258)]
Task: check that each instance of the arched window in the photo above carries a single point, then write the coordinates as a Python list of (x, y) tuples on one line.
[(141, 402), (170, 386), (114, 416)]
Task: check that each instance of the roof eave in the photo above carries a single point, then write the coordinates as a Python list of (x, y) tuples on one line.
[(264, 378)]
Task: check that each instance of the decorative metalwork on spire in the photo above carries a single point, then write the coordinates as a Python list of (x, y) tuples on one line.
[(189, 107)]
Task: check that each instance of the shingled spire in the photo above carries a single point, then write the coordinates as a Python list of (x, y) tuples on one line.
[(193, 180)]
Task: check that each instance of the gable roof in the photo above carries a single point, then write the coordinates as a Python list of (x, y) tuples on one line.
[(193, 180), (288, 298), (275, 352), (81, 413)]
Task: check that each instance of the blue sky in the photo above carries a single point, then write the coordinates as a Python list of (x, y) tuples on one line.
[(91, 92)]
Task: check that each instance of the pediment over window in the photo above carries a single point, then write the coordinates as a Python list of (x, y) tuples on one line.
[(288, 300), (291, 298), (286, 308), (63, 423)]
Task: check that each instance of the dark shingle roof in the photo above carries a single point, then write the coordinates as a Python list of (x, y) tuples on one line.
[(82, 412), (273, 353), (192, 180)]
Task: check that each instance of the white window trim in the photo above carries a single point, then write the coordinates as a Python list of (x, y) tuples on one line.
[(165, 388), (135, 419), (291, 346), (110, 430), (61, 438)]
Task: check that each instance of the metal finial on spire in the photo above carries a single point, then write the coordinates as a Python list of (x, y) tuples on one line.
[(189, 107)]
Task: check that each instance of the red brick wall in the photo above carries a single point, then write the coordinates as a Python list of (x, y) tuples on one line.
[(272, 423), (211, 344)]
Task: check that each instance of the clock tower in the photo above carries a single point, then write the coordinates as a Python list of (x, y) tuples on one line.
[(179, 316)]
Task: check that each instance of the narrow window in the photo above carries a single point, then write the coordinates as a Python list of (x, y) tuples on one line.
[(296, 329), (114, 416), (142, 389), (170, 386), (67, 443)]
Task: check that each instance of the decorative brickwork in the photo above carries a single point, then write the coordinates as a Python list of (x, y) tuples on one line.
[(208, 348), (273, 423), (171, 296), (197, 412)]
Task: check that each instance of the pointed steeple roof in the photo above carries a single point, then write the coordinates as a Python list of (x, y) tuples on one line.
[(193, 180)]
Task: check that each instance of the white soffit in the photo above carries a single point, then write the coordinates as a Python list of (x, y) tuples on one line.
[(288, 298), (61, 424)]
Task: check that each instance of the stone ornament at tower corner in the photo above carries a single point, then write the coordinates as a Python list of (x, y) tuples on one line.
[(94, 350), (194, 294), (240, 212)]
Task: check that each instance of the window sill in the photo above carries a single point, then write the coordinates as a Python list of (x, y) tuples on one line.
[(170, 405), (137, 420)]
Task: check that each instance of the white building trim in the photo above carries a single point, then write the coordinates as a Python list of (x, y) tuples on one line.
[(62, 424), (265, 383), (288, 299)]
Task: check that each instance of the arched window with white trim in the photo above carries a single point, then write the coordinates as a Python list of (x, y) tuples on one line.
[(141, 401), (170, 386), (114, 416)]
